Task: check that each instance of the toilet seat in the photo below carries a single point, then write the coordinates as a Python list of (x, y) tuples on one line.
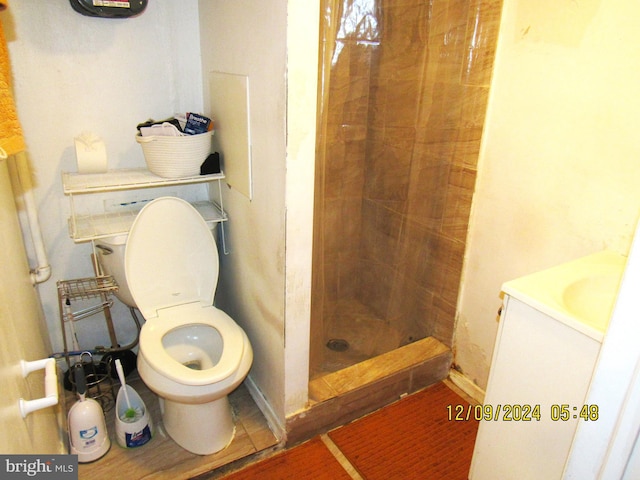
[(177, 290), (189, 274), (182, 316)]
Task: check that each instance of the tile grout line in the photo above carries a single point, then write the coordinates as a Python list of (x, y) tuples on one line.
[(337, 453)]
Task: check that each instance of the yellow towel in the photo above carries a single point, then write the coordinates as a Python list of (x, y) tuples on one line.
[(11, 140)]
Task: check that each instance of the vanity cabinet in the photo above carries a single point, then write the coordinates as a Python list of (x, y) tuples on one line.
[(539, 377), (113, 218)]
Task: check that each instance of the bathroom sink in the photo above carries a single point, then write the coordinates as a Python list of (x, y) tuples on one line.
[(580, 293), (592, 298)]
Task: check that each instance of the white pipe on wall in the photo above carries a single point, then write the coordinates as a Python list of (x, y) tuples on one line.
[(42, 272)]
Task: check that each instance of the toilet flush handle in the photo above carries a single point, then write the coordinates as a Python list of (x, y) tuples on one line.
[(104, 249)]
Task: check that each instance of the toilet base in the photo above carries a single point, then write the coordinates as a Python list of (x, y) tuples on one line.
[(202, 429)]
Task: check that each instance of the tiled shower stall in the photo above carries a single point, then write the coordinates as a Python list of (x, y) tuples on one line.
[(402, 104)]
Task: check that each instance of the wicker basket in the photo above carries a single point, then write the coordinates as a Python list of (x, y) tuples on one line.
[(175, 157)]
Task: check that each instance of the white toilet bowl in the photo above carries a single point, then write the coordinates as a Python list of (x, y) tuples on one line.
[(192, 355)]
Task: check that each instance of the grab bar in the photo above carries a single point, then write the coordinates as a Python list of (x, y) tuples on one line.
[(50, 385)]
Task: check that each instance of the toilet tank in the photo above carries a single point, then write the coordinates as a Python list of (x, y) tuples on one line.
[(110, 254)]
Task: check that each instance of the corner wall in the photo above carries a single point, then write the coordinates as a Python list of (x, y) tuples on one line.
[(72, 74), (265, 282), (249, 38), (558, 172)]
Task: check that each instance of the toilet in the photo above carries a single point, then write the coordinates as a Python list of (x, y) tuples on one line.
[(110, 254), (191, 354)]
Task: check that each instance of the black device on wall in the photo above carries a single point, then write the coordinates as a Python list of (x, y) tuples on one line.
[(109, 8)]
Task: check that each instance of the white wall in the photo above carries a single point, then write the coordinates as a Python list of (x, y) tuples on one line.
[(74, 73), (558, 172), (249, 38), (266, 280), (302, 74)]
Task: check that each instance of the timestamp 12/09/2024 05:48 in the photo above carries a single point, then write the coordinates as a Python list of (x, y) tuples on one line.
[(521, 412)]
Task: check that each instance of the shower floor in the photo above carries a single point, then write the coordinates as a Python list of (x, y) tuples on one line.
[(367, 336)]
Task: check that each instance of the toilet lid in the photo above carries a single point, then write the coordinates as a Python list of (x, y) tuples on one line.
[(171, 257)]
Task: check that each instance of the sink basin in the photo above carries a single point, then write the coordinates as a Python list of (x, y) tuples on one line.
[(580, 293), (592, 298)]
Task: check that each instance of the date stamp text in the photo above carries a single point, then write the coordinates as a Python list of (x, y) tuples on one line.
[(521, 412)]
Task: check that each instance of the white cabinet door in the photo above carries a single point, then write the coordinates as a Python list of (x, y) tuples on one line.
[(539, 365)]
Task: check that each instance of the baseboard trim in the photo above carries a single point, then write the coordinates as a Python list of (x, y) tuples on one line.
[(276, 426), (466, 385)]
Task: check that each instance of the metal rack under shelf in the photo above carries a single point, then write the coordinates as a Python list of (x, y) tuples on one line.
[(83, 228), (86, 288), (98, 377)]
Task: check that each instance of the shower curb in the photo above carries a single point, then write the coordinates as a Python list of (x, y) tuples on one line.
[(349, 405)]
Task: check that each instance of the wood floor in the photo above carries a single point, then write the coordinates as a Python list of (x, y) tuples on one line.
[(162, 458)]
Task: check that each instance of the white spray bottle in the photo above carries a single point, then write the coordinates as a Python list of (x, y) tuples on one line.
[(88, 437)]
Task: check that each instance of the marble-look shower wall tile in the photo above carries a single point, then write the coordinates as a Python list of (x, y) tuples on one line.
[(352, 174), (450, 255), (417, 255), (440, 116), (443, 315), (404, 34), (381, 230), (364, 58), (447, 36), (351, 225), (334, 164), (402, 101), (449, 22), (434, 146), (482, 30), (466, 148), (348, 274), (331, 277), (344, 163), (387, 172), (349, 87), (410, 309), (317, 324), (376, 282), (332, 226), (459, 193), (405, 3), (427, 193)]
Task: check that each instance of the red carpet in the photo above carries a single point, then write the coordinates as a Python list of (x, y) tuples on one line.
[(309, 461), (411, 439)]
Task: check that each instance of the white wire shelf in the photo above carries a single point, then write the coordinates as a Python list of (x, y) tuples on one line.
[(83, 228), (125, 179)]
